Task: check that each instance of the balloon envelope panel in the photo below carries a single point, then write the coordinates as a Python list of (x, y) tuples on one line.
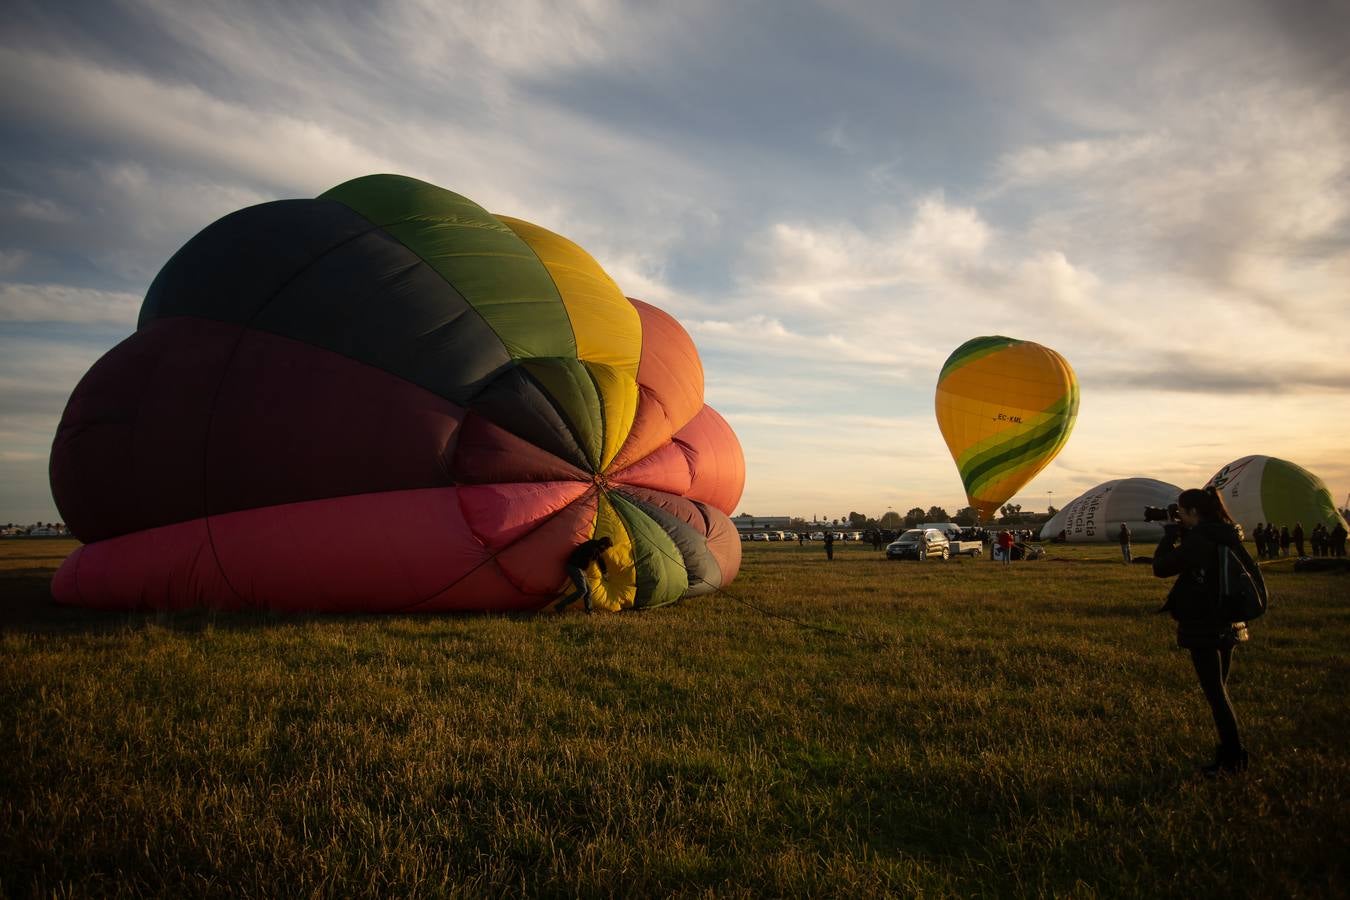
[(389, 399), (1005, 408), (1097, 514), (1267, 489)]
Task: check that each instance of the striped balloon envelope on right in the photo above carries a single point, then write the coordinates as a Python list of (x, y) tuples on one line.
[(1005, 408)]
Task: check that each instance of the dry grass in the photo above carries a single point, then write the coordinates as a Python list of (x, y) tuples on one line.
[(978, 730)]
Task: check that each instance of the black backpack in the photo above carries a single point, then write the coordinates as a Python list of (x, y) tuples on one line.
[(1240, 598)]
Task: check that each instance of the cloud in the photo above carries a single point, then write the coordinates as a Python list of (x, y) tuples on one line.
[(527, 37), (125, 220), (1199, 375), (906, 294), (1229, 167), (176, 122), (1041, 163), (12, 261), (818, 262), (772, 336), (62, 303), (35, 209), (37, 375)]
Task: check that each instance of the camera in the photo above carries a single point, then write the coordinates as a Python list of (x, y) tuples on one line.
[(1160, 514)]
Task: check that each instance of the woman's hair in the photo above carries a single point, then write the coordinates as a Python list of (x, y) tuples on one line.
[(1208, 502)]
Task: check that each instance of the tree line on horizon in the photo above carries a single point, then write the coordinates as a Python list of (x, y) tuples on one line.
[(1009, 514)]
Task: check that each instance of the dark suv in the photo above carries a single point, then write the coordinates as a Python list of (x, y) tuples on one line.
[(919, 543)]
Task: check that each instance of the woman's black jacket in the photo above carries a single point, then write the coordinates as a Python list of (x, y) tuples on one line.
[(1194, 560)]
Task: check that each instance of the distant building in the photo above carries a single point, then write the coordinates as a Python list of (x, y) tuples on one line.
[(747, 524)]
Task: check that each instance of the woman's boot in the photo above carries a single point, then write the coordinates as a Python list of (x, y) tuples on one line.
[(1227, 761)]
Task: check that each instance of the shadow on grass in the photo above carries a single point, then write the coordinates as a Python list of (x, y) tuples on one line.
[(1139, 561), (939, 816), (28, 608)]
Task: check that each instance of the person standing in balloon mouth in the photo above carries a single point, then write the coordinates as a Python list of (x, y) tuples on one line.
[(1125, 542), (578, 562), (1190, 550)]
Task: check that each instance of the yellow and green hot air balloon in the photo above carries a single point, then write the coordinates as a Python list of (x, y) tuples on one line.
[(1005, 408)]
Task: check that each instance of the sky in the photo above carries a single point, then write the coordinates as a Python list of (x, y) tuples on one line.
[(829, 196)]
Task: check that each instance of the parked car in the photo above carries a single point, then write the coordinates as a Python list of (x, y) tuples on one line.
[(961, 541), (919, 543), (759, 536), (817, 535)]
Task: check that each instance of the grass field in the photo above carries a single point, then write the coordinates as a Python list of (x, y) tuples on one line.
[(976, 730)]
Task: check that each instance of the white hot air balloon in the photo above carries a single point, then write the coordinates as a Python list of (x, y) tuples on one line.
[(1096, 514)]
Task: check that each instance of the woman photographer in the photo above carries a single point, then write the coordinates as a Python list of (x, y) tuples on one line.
[(1190, 550)]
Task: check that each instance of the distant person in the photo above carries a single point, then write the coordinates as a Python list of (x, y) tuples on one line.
[(1317, 538), (1285, 540), (1259, 539), (1189, 550), (801, 539), (1005, 543), (1297, 536), (578, 562), (1124, 538), (829, 544), (1338, 535)]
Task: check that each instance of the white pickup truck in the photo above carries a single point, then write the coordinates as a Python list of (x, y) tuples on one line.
[(960, 541), (967, 547)]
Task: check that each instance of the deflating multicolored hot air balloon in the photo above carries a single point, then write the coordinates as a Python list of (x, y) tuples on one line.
[(1265, 489), (1005, 408), (388, 400)]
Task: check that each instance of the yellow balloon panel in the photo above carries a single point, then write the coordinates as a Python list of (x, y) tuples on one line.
[(1005, 408), (617, 588), (619, 399), (607, 327)]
